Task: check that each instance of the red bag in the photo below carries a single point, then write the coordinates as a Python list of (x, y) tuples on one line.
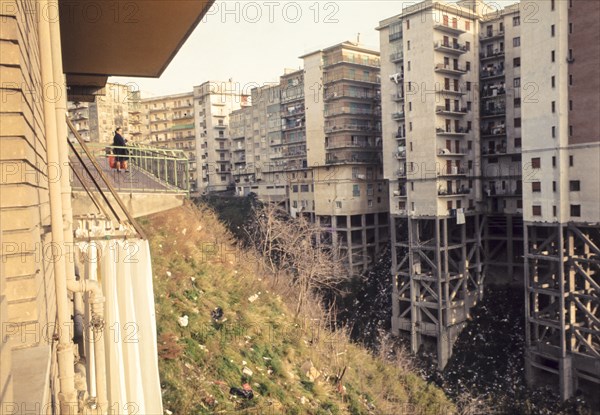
[(112, 162)]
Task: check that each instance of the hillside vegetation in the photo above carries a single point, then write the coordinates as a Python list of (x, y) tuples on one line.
[(293, 366)]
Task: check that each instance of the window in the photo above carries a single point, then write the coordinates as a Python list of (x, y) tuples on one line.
[(576, 210), (467, 26), (553, 132), (536, 210), (553, 81), (553, 106), (468, 45), (518, 142), (408, 44), (536, 187), (517, 123), (553, 161), (516, 21), (553, 56), (554, 186), (295, 188), (370, 203), (516, 42), (468, 86), (338, 204), (552, 30), (574, 186), (570, 130), (449, 204), (409, 65), (468, 66), (516, 62), (356, 190), (571, 161), (552, 5), (407, 24), (570, 28), (517, 102), (570, 105), (517, 82), (536, 163), (554, 210)]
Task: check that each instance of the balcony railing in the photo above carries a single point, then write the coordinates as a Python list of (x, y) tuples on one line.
[(491, 34), (452, 69), (395, 36), (456, 48), (453, 171), (491, 55), (451, 27), (397, 57), (451, 131), (450, 110), (351, 111), (398, 115), (493, 92), (452, 152), (374, 63), (398, 97), (492, 73), (351, 127), (493, 112), (453, 192)]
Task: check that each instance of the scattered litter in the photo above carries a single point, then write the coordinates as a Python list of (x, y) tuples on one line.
[(244, 392), (184, 231), (199, 228), (169, 274), (217, 314), (303, 400), (167, 412), (183, 321), (247, 371), (193, 279), (253, 298), (244, 362)]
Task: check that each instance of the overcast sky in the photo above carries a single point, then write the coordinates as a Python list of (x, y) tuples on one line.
[(253, 41)]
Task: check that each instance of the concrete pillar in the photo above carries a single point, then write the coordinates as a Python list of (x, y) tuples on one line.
[(566, 377)]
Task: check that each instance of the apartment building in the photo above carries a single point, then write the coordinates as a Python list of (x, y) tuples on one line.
[(96, 121), (561, 195), (431, 147), (514, 106), (168, 121), (501, 139), (213, 102)]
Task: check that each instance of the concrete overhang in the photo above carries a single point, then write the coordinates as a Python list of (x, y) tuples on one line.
[(102, 38)]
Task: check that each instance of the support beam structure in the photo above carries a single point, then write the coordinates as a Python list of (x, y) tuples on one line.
[(438, 277), (562, 300)]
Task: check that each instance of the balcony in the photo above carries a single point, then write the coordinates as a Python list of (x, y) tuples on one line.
[(498, 151), (395, 36), (460, 131), (182, 106), (494, 73), (449, 27), (452, 152), (347, 75), (401, 153), (290, 127), (182, 117), (453, 48), (351, 127), (493, 132), (397, 57), (450, 111), (491, 35), (220, 126), (399, 193), (491, 55), (462, 191), (343, 158), (452, 70), (353, 144), (351, 111), (452, 171), (493, 92), (454, 91), (398, 115), (333, 95), (370, 62), (493, 112), (294, 112), (401, 173), (398, 97)]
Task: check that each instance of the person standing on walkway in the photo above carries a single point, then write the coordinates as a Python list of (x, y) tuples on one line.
[(120, 150)]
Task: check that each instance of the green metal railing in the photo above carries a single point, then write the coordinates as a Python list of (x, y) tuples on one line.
[(168, 167)]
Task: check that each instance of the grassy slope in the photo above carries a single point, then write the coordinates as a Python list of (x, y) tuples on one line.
[(200, 362)]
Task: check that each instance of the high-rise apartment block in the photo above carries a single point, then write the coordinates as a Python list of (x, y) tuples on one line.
[(196, 122), (561, 194), (492, 149), (320, 151)]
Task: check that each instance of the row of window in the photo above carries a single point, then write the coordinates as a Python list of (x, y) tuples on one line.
[(574, 186), (575, 210)]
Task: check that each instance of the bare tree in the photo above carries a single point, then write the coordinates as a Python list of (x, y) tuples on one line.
[(295, 246)]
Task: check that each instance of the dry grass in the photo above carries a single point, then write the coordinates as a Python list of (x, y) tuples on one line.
[(198, 267)]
